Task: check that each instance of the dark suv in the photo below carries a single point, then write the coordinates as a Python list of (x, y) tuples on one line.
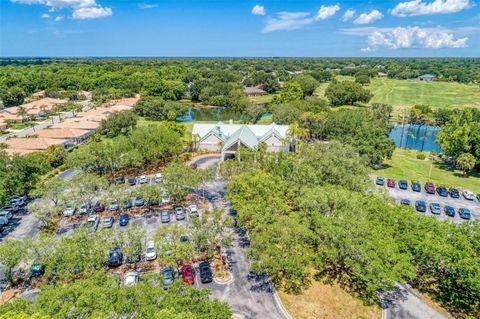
[(206, 274), (420, 206), (115, 258)]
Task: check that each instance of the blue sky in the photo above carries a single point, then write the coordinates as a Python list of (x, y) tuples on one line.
[(239, 28)]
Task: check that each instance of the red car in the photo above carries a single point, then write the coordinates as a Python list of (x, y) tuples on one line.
[(391, 182), (430, 188), (188, 275)]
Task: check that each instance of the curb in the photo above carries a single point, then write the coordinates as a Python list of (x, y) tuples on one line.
[(279, 303), (228, 282), (384, 313)]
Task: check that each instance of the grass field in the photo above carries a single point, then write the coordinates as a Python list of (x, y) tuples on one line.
[(261, 98), (327, 301), (405, 165), (403, 94)]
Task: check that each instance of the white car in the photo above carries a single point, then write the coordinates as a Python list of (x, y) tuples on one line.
[(69, 210), (468, 195), (166, 199), (151, 252), (131, 278), (142, 179), (158, 177), (93, 221), (193, 209)]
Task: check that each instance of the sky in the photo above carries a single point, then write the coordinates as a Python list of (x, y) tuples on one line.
[(217, 28)]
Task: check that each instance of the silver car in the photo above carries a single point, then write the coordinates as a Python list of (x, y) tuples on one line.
[(179, 213), (108, 222)]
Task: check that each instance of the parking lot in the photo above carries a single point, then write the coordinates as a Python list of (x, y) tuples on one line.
[(457, 203)]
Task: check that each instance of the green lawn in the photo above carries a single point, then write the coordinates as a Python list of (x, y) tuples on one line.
[(403, 94), (20, 126), (261, 98), (405, 165)]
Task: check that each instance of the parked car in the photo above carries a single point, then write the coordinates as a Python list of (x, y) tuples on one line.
[(6, 212), (416, 187), (92, 222), (113, 207), (403, 184), (151, 202), (69, 210), (166, 199), (380, 181), (123, 220), (119, 180), (18, 201), (85, 209), (454, 193), (391, 182), (405, 202), (151, 253), (127, 204), (193, 209), (420, 206), (179, 213), (449, 211), (134, 257), (435, 208), (184, 239), (12, 208), (442, 191), (98, 208), (464, 213), (108, 222), (168, 277), (115, 258), (143, 179), (188, 274), (3, 220), (132, 180), (37, 270), (468, 195), (430, 188), (206, 274), (138, 201), (131, 278), (165, 216), (158, 177)]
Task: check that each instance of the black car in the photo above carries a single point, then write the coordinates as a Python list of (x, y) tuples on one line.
[(454, 193), (135, 258), (420, 206), (151, 202), (464, 213), (403, 184), (115, 258), (449, 211), (206, 274), (123, 220), (442, 191), (405, 202), (416, 187), (37, 270), (119, 180), (127, 204), (132, 180)]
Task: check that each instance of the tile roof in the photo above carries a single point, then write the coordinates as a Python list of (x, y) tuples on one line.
[(62, 133), (34, 143)]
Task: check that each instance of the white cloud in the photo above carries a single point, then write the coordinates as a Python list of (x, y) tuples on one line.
[(259, 10), (58, 18), (82, 9), (147, 6), (326, 12), (91, 13), (46, 16), (288, 21), (418, 7), (348, 15), (366, 18), (408, 37)]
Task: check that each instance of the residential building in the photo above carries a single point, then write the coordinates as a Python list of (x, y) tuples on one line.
[(71, 136), (31, 144), (253, 91), (426, 77), (228, 138)]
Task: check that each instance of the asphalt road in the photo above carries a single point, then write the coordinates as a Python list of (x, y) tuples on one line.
[(473, 206)]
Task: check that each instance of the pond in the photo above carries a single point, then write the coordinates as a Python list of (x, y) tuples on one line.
[(416, 137)]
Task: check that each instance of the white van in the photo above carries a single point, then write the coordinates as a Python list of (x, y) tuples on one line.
[(151, 253)]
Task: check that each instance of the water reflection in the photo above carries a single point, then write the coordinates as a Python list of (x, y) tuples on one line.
[(416, 137)]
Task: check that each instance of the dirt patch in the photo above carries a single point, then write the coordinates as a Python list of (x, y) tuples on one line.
[(327, 302)]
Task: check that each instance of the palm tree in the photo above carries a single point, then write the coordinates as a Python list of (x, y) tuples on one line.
[(22, 112), (296, 134)]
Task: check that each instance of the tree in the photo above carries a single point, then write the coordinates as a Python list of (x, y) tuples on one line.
[(346, 93), (52, 189), (465, 162), (119, 123), (56, 155), (178, 178), (157, 109), (308, 83), (44, 212), (11, 253), (85, 187), (13, 97), (22, 112), (133, 242), (171, 248), (292, 91)]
